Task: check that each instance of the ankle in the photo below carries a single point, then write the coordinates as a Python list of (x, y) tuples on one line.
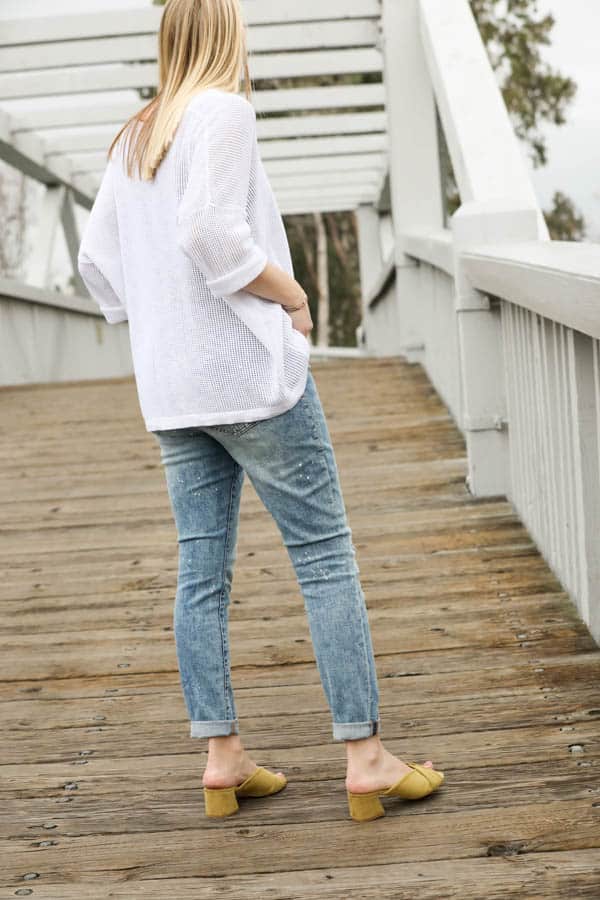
[(225, 749), (364, 752)]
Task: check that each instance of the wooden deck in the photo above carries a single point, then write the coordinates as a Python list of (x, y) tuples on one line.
[(483, 663)]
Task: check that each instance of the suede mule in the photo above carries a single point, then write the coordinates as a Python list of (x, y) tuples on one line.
[(223, 801), (412, 786)]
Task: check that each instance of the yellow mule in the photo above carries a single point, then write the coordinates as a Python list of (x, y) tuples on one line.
[(412, 786), (223, 801)]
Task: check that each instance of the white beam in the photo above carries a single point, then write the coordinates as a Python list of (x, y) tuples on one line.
[(112, 23), (80, 79), (261, 39), (116, 111)]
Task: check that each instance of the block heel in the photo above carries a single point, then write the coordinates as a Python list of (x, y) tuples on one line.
[(220, 802), (419, 783), (365, 807)]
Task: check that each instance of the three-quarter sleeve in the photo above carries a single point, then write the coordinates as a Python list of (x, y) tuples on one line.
[(99, 256), (212, 225)]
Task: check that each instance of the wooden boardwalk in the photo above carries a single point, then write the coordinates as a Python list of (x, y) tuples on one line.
[(484, 667)]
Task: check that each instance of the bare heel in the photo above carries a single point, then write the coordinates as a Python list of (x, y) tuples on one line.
[(220, 801), (364, 807)]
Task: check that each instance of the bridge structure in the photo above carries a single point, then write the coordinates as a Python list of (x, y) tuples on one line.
[(479, 342)]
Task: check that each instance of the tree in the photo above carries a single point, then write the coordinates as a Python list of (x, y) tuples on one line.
[(515, 33), (564, 222)]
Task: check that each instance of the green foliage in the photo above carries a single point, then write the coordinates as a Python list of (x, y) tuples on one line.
[(514, 32), (564, 221)]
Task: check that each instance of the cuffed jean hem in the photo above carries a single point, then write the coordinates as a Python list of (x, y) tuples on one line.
[(214, 728), (354, 731)]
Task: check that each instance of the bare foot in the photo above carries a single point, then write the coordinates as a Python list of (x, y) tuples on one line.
[(371, 767), (228, 763)]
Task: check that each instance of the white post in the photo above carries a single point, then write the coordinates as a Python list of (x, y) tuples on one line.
[(370, 257), (585, 382), (483, 393), (415, 178)]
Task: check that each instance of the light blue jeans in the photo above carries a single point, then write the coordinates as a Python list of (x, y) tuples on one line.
[(290, 462)]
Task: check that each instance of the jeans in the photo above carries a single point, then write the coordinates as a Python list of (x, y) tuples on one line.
[(290, 462)]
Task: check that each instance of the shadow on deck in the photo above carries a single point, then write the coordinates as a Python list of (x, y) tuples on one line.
[(483, 663)]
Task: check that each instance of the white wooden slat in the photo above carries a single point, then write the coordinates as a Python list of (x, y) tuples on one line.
[(541, 436), (300, 148), (371, 164), (78, 79), (559, 487), (100, 137), (340, 190), (320, 124), (513, 398), (304, 207), (571, 426), (297, 152), (120, 48), (586, 471), (321, 180), (358, 162), (263, 11), (553, 530), (110, 23), (117, 110)]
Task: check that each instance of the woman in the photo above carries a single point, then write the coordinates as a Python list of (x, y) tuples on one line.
[(186, 242)]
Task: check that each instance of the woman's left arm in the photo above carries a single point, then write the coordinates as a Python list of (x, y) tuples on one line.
[(99, 257)]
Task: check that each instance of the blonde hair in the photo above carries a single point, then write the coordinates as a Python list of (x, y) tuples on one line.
[(201, 44)]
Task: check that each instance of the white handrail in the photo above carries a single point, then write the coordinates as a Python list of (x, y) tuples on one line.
[(559, 280)]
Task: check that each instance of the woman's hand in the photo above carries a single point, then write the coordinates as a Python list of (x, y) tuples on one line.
[(301, 319)]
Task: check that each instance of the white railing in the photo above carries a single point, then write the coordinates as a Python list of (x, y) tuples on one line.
[(47, 336), (505, 321)]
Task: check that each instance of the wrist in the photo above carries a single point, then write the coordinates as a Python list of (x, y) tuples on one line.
[(297, 304)]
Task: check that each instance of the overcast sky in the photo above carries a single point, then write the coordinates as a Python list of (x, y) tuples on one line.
[(574, 148)]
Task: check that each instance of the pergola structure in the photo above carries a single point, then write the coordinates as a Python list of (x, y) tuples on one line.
[(505, 321)]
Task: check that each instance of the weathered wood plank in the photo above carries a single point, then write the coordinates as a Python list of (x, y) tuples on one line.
[(550, 875)]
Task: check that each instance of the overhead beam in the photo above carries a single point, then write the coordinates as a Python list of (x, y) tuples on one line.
[(80, 79), (112, 23), (100, 137), (261, 39), (27, 153), (116, 111), (374, 163)]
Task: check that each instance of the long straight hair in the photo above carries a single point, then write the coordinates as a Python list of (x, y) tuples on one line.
[(201, 44)]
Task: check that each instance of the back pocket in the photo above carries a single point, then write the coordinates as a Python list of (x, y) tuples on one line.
[(234, 428)]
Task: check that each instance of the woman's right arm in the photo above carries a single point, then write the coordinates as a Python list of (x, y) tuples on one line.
[(211, 222), (276, 285)]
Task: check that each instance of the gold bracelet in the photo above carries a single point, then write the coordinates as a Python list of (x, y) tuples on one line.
[(294, 308)]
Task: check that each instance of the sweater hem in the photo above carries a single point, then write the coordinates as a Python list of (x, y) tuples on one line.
[(192, 420)]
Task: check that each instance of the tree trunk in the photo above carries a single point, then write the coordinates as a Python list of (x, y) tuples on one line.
[(322, 282)]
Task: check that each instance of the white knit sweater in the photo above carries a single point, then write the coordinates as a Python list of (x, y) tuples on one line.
[(173, 255)]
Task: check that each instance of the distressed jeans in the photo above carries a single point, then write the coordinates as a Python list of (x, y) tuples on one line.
[(290, 462)]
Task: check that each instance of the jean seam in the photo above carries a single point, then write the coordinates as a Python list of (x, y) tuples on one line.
[(224, 654), (322, 450)]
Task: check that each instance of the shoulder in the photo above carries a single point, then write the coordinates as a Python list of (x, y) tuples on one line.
[(214, 103)]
